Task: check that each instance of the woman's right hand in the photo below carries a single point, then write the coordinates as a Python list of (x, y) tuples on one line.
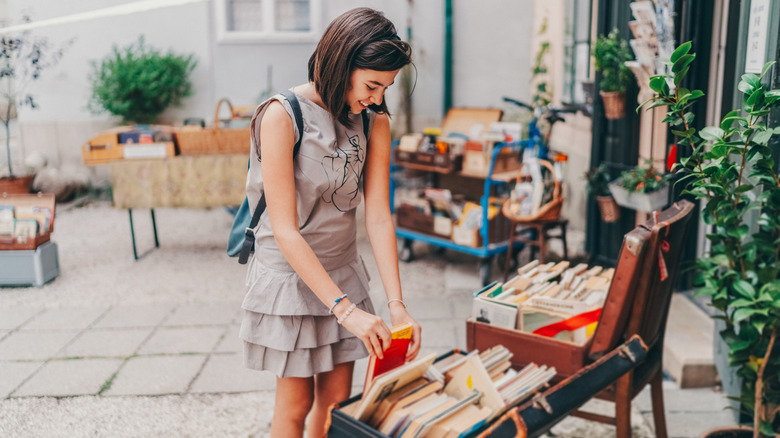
[(369, 328)]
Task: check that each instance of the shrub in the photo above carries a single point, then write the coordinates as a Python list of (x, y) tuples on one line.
[(138, 82)]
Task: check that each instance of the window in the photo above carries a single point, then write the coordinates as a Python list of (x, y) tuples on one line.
[(268, 20), (576, 50)]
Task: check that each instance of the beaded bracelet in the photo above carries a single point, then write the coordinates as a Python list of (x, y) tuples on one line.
[(338, 300), (346, 314), (396, 299)]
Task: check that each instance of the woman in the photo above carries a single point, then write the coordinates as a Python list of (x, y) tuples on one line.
[(307, 314)]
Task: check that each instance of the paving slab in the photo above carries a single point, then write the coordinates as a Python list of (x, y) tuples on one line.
[(69, 377), (460, 277), (14, 317), (177, 340), (198, 314), (34, 345), (439, 334), (688, 346), (230, 342), (226, 373), (65, 318), (136, 316), (14, 373), (156, 375), (106, 343), (429, 307), (685, 425)]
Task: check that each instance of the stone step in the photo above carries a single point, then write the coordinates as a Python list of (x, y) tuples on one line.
[(688, 347)]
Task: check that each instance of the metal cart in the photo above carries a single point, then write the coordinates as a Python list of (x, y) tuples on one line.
[(487, 250)]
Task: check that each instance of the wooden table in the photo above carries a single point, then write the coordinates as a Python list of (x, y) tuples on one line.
[(189, 181)]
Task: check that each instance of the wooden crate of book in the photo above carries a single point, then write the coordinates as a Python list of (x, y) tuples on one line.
[(497, 229), (433, 161), (455, 394), (104, 147), (553, 300), (26, 221)]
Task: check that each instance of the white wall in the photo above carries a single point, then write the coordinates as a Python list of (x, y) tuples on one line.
[(490, 59)]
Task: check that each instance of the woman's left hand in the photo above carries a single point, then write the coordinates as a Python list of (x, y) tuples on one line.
[(399, 315)]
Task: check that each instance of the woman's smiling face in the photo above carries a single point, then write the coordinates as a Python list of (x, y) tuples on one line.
[(367, 87)]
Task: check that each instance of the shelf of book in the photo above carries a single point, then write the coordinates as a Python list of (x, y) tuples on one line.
[(491, 237)]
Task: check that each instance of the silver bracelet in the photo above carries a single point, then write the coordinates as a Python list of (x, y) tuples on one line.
[(338, 300), (396, 299), (346, 314)]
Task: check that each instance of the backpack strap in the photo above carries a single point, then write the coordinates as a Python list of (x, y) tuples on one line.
[(249, 232), (364, 115)]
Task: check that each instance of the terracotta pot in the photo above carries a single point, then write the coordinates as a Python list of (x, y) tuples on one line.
[(614, 104), (610, 212), (729, 432), (17, 185)]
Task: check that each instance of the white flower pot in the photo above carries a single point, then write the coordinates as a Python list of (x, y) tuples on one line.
[(639, 201)]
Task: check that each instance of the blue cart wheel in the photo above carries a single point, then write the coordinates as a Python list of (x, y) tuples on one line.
[(484, 270), (406, 254)]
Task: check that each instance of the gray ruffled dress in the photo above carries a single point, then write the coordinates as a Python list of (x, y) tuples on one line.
[(286, 329)]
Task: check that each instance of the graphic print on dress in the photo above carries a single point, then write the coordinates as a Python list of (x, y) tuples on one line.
[(342, 170)]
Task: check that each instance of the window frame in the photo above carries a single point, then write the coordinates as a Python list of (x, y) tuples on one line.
[(267, 36)]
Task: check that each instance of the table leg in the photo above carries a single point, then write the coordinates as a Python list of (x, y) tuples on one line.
[(542, 244), (563, 238), (132, 233), (154, 228)]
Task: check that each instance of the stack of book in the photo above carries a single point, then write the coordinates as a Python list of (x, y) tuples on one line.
[(22, 223), (542, 295), (447, 398)]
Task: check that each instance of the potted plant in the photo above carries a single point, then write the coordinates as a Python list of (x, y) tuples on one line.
[(610, 54), (641, 188), (23, 58), (139, 82), (732, 169), (598, 185)]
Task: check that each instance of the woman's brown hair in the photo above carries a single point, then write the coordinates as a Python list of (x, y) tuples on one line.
[(360, 38)]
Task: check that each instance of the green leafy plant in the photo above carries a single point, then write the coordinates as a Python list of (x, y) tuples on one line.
[(541, 95), (23, 59), (139, 82), (732, 168), (598, 181), (610, 54), (644, 179)]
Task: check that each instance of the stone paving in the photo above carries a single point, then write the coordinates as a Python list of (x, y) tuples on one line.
[(165, 359)]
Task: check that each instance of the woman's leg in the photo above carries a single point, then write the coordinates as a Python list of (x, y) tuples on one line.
[(294, 398), (329, 388)]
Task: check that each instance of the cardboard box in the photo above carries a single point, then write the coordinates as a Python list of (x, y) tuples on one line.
[(409, 217), (476, 163), (463, 120), (498, 231), (149, 150), (435, 162)]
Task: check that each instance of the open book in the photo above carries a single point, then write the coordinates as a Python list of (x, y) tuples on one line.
[(393, 357), (384, 384)]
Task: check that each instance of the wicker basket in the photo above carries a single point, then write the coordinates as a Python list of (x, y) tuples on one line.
[(547, 212), (614, 104), (610, 212), (230, 140), (216, 140)]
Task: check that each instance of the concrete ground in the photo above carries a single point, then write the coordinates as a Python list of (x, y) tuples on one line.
[(123, 348)]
